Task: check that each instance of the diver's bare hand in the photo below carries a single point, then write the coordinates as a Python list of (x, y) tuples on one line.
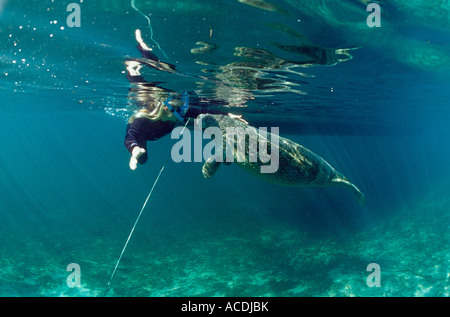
[(237, 117), (135, 155)]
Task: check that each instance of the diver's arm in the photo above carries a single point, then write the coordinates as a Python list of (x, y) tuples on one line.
[(136, 143), (237, 117), (195, 112)]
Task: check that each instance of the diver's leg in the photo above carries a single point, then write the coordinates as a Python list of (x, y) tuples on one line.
[(134, 66), (143, 48)]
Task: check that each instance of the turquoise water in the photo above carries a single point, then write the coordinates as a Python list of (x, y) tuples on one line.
[(380, 116)]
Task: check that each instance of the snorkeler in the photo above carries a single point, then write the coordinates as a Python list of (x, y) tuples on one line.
[(160, 111)]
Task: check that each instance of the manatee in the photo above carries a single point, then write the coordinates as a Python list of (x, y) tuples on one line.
[(291, 164)]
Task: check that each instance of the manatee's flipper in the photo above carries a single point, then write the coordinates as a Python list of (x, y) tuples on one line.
[(210, 167), (358, 194)]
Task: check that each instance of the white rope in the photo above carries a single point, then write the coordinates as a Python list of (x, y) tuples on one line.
[(108, 286), (184, 126)]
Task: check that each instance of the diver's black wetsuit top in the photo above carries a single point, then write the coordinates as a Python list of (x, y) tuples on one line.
[(143, 130)]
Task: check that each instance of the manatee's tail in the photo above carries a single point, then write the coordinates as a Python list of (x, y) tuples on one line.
[(358, 194)]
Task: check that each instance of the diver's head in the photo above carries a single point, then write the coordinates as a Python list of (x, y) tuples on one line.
[(167, 115), (155, 111), (177, 107), (165, 109)]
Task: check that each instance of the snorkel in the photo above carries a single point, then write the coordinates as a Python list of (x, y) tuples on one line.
[(179, 112)]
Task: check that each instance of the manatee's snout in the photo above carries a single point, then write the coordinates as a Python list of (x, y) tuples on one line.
[(204, 121), (199, 122)]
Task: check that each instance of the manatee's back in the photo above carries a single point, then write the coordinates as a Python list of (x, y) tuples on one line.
[(295, 165)]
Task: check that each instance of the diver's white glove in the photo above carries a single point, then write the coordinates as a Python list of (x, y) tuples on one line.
[(135, 155), (237, 117)]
